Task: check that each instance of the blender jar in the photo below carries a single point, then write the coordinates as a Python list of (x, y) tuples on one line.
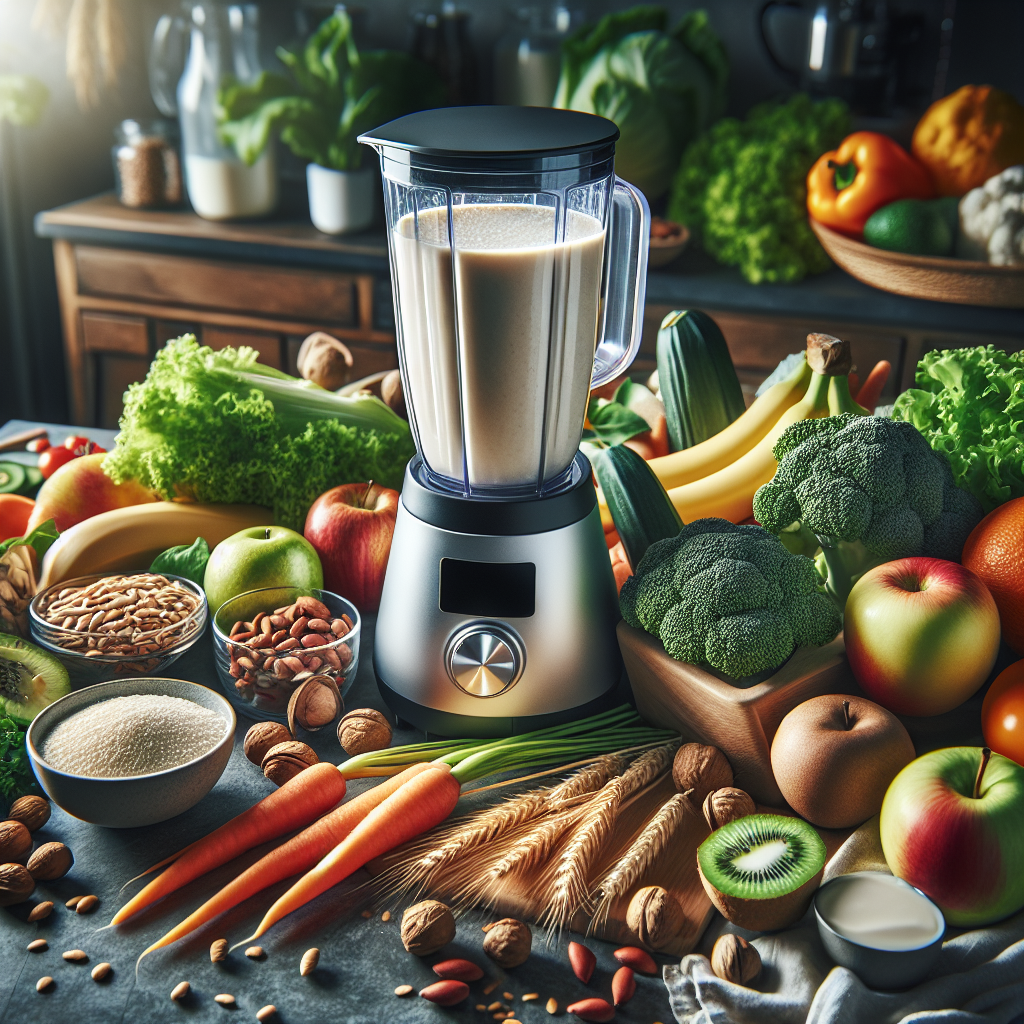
[(518, 263)]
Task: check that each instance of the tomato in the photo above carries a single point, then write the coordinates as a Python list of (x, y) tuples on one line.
[(14, 515), (40, 444), (74, 442), (1002, 714), (52, 459)]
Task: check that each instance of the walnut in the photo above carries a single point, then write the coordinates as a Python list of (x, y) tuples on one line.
[(736, 960), (15, 841), (314, 703), (426, 927), (391, 393), (654, 916), (18, 578), (325, 361), (285, 760), (363, 730), (16, 884), (698, 770), (49, 862), (725, 805), (261, 737), (508, 942), (32, 811)]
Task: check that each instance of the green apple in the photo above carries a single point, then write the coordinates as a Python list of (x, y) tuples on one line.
[(262, 556)]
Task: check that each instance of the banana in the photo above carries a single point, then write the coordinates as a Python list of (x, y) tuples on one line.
[(743, 434), (128, 539)]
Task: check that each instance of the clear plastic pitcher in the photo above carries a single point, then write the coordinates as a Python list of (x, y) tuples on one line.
[(518, 262)]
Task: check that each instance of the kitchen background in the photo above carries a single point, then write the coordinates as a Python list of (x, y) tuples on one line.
[(932, 47)]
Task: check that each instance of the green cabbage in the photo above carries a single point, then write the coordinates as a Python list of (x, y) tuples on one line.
[(969, 404), (661, 88)]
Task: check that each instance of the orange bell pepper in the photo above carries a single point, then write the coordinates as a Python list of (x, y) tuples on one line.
[(867, 171)]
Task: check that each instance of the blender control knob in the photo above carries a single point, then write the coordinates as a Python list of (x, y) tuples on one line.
[(483, 661)]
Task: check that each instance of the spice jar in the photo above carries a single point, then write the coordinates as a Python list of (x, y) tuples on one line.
[(146, 167)]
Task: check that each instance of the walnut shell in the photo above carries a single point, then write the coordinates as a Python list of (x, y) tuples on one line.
[(698, 770), (32, 811), (654, 916), (324, 360), (285, 760), (508, 942), (49, 862), (261, 737), (16, 884), (15, 841), (314, 703), (391, 393), (736, 960), (725, 805), (363, 730), (426, 927)]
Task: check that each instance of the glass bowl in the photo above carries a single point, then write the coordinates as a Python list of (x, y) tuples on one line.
[(260, 667), (82, 651)]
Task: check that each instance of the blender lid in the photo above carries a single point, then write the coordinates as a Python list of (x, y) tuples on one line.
[(493, 131)]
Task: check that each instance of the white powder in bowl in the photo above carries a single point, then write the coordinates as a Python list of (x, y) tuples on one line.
[(136, 735)]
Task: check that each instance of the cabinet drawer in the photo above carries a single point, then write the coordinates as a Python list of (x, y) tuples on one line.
[(217, 284), (107, 332), (267, 345)]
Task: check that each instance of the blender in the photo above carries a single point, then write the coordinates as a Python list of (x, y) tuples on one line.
[(518, 263)]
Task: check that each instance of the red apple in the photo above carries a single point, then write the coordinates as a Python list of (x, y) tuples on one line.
[(921, 634), (952, 825), (80, 489), (351, 527)]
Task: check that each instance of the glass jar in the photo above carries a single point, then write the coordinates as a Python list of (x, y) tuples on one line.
[(147, 172), (528, 57)]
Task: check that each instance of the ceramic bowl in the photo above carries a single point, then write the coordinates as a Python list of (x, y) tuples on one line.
[(663, 250), (131, 801), (84, 671), (890, 950), (262, 694)]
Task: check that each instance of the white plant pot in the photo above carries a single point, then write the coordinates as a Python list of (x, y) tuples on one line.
[(340, 201)]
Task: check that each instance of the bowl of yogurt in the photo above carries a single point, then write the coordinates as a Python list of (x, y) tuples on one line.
[(880, 927)]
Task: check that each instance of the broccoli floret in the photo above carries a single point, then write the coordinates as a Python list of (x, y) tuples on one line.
[(732, 597), (871, 489)]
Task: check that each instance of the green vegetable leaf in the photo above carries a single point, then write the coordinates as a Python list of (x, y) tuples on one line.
[(39, 539), (612, 423), (22, 99), (16, 778), (188, 560)]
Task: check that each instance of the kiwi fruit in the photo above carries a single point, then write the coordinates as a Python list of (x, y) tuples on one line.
[(30, 679), (761, 870)]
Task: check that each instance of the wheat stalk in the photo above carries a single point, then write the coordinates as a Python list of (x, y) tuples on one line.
[(568, 890), (642, 853), (110, 39)]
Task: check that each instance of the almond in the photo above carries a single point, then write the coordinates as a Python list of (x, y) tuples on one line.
[(458, 970), (623, 985), (101, 971), (44, 983), (87, 904), (225, 999), (41, 911), (268, 1012), (180, 991), (404, 990), (592, 1010), (445, 993), (582, 960), (309, 961), (638, 959)]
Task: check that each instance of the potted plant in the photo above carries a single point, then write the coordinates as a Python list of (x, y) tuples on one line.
[(333, 94)]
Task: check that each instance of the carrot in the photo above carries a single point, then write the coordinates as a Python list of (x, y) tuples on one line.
[(298, 802), (418, 805), (871, 390), (299, 854)]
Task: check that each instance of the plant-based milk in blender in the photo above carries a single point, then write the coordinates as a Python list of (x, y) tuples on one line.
[(518, 263)]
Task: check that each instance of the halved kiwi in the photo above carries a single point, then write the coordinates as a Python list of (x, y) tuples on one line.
[(12, 478), (30, 679), (761, 871)]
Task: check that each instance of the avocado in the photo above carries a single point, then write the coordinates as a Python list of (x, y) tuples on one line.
[(30, 679), (922, 227)]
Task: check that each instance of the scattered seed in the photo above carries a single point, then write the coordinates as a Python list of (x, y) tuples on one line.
[(530, 996), (255, 953), (495, 1006), (76, 956), (268, 1012), (508, 995), (480, 1006), (404, 990), (180, 991), (367, 914), (100, 971), (498, 1016), (41, 911), (219, 951), (38, 946), (73, 902), (44, 983), (86, 904), (551, 1006), (225, 999), (490, 987), (309, 961), (386, 916)]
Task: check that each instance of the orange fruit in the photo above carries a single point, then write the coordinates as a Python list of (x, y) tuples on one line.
[(15, 511), (1002, 713), (995, 552)]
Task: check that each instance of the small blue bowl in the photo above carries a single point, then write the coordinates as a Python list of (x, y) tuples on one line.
[(880, 927)]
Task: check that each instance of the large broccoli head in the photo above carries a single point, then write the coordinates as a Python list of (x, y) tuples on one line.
[(732, 597), (871, 489)]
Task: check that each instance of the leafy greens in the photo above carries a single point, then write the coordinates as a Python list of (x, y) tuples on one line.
[(188, 560), (661, 88), (16, 778), (335, 93), (969, 404), (217, 426)]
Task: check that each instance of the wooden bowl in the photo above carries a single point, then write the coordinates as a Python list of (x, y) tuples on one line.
[(663, 251), (925, 277)]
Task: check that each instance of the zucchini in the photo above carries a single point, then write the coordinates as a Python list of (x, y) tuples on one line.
[(696, 378), (641, 509)]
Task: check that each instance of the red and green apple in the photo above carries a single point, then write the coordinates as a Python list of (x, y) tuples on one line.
[(922, 634)]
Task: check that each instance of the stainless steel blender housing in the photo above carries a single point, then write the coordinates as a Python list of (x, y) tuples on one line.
[(499, 605)]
